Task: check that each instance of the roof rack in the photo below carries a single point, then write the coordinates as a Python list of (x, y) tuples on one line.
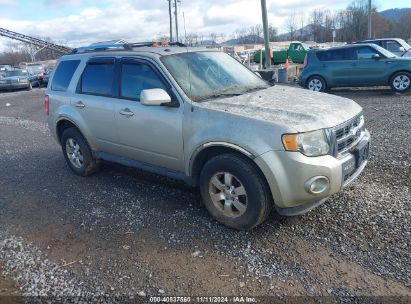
[(124, 47)]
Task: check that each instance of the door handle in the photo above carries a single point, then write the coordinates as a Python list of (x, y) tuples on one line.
[(126, 112), (79, 104), (389, 62)]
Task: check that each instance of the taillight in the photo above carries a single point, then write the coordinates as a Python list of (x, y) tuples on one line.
[(46, 104), (305, 61)]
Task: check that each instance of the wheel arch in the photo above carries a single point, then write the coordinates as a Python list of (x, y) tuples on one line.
[(209, 150), (396, 72)]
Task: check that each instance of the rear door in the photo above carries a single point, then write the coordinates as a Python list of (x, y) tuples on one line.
[(338, 64), (150, 134), (94, 101)]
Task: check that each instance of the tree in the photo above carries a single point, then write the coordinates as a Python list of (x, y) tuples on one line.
[(291, 25)]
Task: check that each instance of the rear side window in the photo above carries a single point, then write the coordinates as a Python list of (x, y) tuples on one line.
[(136, 77), (336, 55), (63, 75), (97, 79)]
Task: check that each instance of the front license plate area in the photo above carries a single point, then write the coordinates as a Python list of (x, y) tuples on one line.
[(361, 153)]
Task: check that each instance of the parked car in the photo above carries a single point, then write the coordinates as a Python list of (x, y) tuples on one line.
[(18, 79), (394, 45), (296, 52), (355, 65), (37, 69), (3, 69), (203, 117), (47, 76)]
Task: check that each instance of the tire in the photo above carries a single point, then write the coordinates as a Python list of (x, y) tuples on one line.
[(316, 84), (244, 209), (400, 82), (80, 160)]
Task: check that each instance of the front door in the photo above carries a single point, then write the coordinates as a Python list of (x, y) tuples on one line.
[(150, 134), (367, 70)]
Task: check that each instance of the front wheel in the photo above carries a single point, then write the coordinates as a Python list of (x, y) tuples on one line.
[(401, 82), (316, 84), (235, 192)]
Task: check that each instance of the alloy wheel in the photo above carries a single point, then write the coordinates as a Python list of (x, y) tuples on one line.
[(74, 153), (228, 194), (315, 85), (401, 82)]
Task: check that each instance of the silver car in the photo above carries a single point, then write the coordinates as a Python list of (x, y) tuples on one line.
[(18, 79), (203, 117)]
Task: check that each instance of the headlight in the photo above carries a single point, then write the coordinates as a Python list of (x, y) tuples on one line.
[(309, 143), (24, 80), (2, 81)]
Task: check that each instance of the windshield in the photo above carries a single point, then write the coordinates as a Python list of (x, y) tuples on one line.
[(36, 68), (204, 75), (403, 43), (16, 73)]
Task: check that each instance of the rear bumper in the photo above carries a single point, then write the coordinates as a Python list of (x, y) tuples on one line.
[(289, 175)]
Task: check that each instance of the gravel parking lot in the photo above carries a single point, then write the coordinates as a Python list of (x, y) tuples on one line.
[(127, 232)]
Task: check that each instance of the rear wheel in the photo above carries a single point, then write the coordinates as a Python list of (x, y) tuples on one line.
[(401, 82), (316, 84), (234, 191), (77, 152)]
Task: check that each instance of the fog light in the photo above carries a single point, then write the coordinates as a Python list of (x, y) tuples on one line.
[(317, 184)]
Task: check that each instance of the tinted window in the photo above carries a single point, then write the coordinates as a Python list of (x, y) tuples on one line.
[(138, 77), (335, 55), (365, 53), (392, 46), (98, 78), (63, 75)]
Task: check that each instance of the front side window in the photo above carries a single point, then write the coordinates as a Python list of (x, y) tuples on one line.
[(205, 75), (136, 77), (365, 53), (392, 46), (97, 78)]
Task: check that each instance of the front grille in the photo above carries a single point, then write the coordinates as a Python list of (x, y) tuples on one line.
[(349, 133)]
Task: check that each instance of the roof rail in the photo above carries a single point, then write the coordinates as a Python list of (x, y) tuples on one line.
[(125, 46)]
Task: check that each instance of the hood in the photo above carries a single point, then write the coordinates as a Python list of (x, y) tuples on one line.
[(297, 109)]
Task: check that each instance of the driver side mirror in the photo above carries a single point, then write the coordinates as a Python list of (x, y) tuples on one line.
[(376, 56), (401, 49), (155, 97)]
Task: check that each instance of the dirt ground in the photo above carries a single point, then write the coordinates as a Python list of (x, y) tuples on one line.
[(126, 232)]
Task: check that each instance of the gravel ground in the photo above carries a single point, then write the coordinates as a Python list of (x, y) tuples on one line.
[(127, 232)]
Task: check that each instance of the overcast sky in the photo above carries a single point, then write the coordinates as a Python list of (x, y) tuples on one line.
[(79, 22)]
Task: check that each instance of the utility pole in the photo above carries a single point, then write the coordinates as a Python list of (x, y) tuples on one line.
[(171, 20), (176, 17), (369, 20), (266, 37)]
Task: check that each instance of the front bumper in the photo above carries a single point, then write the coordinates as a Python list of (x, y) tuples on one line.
[(287, 174), (14, 86)]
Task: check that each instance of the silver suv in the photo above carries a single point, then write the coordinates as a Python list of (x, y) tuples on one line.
[(203, 117)]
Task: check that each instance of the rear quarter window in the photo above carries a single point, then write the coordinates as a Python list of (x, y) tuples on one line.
[(63, 75)]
